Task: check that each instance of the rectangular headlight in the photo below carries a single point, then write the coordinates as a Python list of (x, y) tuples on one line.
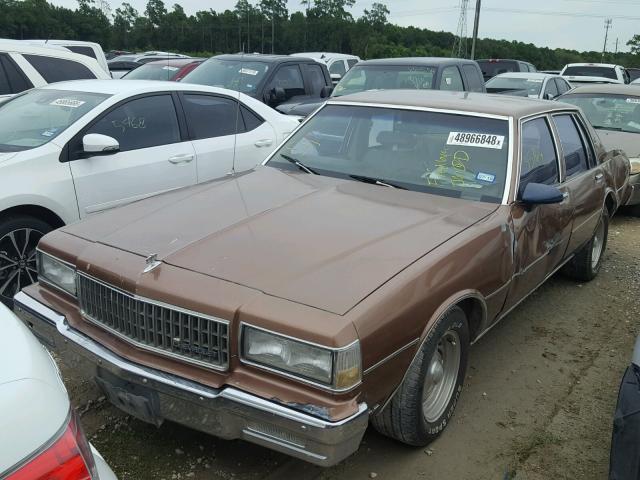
[(57, 273), (338, 369), (635, 166)]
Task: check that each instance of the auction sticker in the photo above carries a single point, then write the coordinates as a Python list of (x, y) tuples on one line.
[(633, 100), (248, 71), (67, 102), (482, 140)]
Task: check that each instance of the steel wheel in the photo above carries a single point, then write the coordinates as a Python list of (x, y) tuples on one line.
[(18, 261), (442, 375), (598, 242)]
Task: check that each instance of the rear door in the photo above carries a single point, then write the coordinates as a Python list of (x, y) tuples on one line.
[(255, 140), (155, 155), (583, 178)]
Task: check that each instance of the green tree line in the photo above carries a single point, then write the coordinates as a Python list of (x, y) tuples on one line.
[(265, 26)]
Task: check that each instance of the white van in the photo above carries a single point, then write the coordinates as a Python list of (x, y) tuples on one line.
[(90, 49)]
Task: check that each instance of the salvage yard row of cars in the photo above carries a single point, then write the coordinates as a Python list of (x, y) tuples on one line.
[(290, 281)]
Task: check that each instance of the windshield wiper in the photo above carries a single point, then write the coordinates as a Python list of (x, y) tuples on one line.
[(299, 164), (376, 181), (603, 127)]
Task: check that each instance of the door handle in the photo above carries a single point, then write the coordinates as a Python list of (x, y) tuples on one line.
[(267, 142), (184, 158), (599, 177)]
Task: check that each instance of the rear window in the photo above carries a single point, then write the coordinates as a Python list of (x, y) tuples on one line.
[(86, 51), (58, 69), (491, 68), (587, 71)]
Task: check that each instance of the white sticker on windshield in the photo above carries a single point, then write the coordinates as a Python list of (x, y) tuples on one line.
[(482, 140), (486, 177), (534, 80), (248, 71), (173, 69), (67, 102), (633, 100)]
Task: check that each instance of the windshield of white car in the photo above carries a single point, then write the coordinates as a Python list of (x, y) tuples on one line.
[(608, 112), (240, 75), (446, 154), (531, 85), (392, 77), (589, 71), (34, 118)]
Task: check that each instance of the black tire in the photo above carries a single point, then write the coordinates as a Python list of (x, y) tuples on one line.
[(17, 266), (404, 417), (582, 266)]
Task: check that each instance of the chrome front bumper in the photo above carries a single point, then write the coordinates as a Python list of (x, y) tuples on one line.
[(634, 185), (227, 413)]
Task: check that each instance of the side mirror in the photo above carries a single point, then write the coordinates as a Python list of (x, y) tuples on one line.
[(335, 78), (549, 96), (96, 144), (326, 91), (540, 194), (277, 95)]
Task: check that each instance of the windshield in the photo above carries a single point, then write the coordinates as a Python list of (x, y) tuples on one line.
[(152, 72), (531, 85), (33, 119), (439, 153), (609, 112), (492, 68), (587, 71), (375, 77), (240, 75)]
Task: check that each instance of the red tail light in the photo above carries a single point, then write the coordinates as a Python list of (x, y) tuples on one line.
[(68, 458)]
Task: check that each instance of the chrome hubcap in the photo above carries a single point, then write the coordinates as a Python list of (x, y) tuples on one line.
[(442, 375), (598, 242), (18, 261)]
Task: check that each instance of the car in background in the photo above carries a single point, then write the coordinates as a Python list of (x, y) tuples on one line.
[(116, 53), (337, 63), (636, 81), (581, 73), (341, 282), (96, 145), (495, 66), (614, 111), (120, 66), (90, 49), (634, 74), (172, 70), (529, 84), (24, 66), (412, 73), (276, 80), (550, 72), (41, 433)]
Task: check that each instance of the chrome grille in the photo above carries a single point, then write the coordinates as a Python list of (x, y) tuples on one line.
[(166, 330)]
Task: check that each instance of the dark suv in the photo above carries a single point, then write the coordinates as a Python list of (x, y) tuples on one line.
[(419, 73), (493, 66), (272, 79)]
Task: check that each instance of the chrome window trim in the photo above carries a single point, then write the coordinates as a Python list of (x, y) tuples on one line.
[(223, 367), (582, 139), (292, 376)]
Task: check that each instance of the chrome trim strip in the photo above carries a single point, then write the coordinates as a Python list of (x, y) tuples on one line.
[(597, 213), (391, 356), (499, 289)]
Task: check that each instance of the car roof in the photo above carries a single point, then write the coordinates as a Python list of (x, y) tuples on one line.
[(260, 57), (591, 64), (64, 42), (501, 105), (495, 60), (532, 75), (609, 88), (24, 46), (323, 55), (427, 61), (175, 62), (132, 87)]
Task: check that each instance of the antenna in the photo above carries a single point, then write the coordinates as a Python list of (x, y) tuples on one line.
[(460, 44), (607, 26)]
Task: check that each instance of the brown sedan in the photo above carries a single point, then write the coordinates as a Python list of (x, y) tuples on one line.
[(341, 282)]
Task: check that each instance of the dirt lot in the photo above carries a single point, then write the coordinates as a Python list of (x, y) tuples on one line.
[(537, 403)]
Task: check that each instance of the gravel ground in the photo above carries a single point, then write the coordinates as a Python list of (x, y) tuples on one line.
[(537, 404)]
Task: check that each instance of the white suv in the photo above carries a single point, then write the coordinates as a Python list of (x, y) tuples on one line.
[(89, 49), (75, 148), (337, 63), (581, 73), (24, 65)]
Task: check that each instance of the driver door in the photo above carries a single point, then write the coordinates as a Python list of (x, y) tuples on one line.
[(154, 155), (542, 232)]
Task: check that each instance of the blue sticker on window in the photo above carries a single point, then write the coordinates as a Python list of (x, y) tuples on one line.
[(486, 177)]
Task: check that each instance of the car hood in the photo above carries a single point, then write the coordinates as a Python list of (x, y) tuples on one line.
[(4, 156), (318, 241), (301, 108), (629, 142)]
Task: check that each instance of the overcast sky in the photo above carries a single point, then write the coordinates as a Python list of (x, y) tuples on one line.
[(574, 24)]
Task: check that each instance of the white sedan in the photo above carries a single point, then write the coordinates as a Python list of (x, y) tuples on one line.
[(75, 148), (41, 437), (528, 84)]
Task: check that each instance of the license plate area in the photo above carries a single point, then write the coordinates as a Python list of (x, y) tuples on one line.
[(136, 400)]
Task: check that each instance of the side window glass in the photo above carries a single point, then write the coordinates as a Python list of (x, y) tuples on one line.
[(5, 88), (551, 90), (141, 123), (289, 78), (351, 62), (338, 67), (210, 116), (58, 69), (474, 79), (451, 79), (587, 142), (539, 162), (575, 155), (251, 120), (18, 82), (316, 78), (86, 51)]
